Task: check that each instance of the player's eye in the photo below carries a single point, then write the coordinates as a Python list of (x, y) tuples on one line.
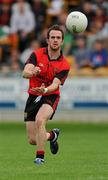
[(58, 37), (55, 37)]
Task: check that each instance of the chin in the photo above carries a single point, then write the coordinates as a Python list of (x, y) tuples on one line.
[(55, 48)]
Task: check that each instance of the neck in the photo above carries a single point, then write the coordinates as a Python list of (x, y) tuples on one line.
[(54, 54)]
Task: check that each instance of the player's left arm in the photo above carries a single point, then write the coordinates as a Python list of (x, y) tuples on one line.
[(55, 85), (57, 81)]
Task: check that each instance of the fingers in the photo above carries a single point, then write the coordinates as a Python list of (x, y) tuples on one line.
[(38, 89), (36, 70)]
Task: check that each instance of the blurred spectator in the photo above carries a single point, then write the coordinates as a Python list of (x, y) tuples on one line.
[(99, 55), (5, 44), (68, 45), (5, 70), (13, 66), (15, 6), (81, 54), (23, 24), (103, 3), (5, 13), (28, 20), (72, 5), (55, 7), (98, 31), (54, 11), (100, 15), (26, 53), (87, 9), (105, 38), (7, 1), (15, 62), (45, 1), (39, 9), (42, 37), (105, 6)]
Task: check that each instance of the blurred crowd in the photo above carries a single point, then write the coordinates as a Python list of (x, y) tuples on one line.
[(23, 27)]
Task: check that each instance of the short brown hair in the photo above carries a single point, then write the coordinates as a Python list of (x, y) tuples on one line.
[(55, 27)]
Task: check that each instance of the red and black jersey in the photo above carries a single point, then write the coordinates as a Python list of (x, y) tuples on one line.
[(50, 69)]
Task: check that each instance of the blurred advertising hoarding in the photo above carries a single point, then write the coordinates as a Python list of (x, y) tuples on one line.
[(85, 93), (13, 92), (76, 93)]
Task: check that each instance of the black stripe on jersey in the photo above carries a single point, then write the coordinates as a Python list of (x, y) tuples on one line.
[(62, 76), (32, 59)]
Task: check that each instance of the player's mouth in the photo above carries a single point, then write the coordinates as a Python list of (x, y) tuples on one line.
[(55, 44)]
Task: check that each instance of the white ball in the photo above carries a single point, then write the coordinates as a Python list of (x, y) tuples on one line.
[(76, 22)]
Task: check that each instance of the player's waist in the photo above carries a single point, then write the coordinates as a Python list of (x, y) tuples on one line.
[(46, 94)]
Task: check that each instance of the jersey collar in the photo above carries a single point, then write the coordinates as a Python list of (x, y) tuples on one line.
[(58, 59)]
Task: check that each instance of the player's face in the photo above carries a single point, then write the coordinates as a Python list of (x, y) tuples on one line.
[(55, 40)]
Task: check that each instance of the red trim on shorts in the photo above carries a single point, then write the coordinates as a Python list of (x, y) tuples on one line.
[(55, 103)]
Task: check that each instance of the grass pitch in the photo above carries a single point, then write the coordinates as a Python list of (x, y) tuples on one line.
[(83, 153)]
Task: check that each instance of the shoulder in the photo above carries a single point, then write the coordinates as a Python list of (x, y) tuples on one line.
[(65, 63), (39, 53)]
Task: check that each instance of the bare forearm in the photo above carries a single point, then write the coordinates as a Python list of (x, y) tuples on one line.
[(26, 74), (30, 70), (52, 87)]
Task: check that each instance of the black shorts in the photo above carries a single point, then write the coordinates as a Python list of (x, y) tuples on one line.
[(34, 103)]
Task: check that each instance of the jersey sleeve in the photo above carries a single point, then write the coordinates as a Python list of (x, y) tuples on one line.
[(62, 76), (32, 59)]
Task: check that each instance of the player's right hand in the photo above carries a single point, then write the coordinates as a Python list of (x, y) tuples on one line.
[(36, 70)]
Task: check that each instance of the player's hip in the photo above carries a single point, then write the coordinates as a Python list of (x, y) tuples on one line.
[(34, 103)]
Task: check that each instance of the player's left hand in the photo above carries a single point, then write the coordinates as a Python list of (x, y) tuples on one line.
[(40, 89)]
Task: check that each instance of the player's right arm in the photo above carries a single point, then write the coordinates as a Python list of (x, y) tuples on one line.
[(30, 68)]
